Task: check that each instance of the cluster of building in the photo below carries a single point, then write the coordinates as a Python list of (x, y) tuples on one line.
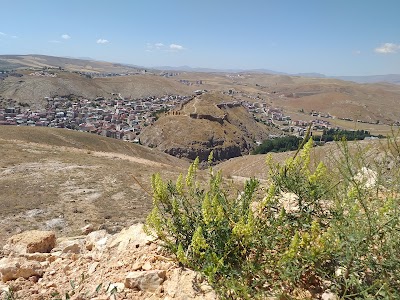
[(109, 74), (276, 117), (188, 82), (43, 74), (169, 74), (116, 118)]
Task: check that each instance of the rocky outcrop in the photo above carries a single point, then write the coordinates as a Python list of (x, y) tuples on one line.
[(126, 265), (147, 281), (31, 241), (207, 123), (16, 267), (211, 118)]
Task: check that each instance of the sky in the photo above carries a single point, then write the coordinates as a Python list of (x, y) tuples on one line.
[(332, 37)]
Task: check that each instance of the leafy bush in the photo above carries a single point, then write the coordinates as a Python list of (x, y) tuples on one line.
[(281, 144), (329, 135), (308, 231)]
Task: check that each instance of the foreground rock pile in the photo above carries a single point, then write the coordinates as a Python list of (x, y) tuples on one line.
[(127, 265)]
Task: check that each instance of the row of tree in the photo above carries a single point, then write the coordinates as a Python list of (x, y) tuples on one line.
[(329, 135), (282, 144), (290, 143)]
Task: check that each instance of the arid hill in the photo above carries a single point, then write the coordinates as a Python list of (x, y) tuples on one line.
[(32, 89), (344, 99), (210, 122), (15, 62), (242, 168), (60, 180)]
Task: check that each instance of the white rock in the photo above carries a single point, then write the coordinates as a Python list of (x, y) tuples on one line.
[(289, 201), (55, 223), (147, 281), (96, 240), (134, 236), (340, 271), (92, 268), (137, 265), (87, 229), (329, 296), (13, 268), (115, 288), (147, 266)]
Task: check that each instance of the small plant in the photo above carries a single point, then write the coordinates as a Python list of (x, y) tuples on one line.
[(79, 289), (312, 228), (10, 294)]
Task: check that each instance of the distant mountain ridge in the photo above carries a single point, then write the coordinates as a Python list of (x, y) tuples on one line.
[(35, 61), (88, 64), (388, 78), (212, 70)]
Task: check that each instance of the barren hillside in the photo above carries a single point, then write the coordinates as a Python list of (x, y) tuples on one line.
[(62, 180), (208, 122), (32, 89), (70, 64), (366, 102)]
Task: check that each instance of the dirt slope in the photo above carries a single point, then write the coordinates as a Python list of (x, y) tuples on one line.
[(61, 180)]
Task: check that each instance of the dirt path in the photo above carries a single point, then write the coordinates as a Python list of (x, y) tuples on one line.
[(194, 105), (93, 153)]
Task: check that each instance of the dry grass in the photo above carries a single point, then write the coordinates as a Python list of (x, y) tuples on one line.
[(62, 180), (242, 168)]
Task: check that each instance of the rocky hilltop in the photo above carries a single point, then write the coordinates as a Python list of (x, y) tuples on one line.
[(210, 122), (95, 265)]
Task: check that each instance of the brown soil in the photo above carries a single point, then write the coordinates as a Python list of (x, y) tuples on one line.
[(54, 179)]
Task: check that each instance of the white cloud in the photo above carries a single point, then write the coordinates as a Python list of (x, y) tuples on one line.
[(5, 35), (356, 52), (150, 47), (65, 36), (102, 41), (387, 48), (156, 46), (176, 47)]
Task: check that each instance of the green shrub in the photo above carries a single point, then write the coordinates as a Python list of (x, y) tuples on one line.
[(313, 229), (280, 144), (329, 135)]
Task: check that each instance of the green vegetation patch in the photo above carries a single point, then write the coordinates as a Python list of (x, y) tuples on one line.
[(281, 144), (310, 230), (329, 135)]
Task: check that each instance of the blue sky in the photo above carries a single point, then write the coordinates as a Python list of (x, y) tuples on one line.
[(334, 37)]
